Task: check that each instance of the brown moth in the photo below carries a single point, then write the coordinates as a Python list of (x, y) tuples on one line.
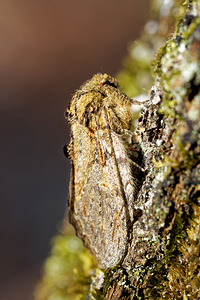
[(104, 178)]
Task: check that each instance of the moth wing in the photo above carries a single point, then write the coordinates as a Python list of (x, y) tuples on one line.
[(99, 212), (82, 154)]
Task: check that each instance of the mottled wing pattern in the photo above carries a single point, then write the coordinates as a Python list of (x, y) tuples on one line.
[(131, 175), (97, 202)]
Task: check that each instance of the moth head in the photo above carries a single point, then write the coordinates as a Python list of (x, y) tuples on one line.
[(97, 97), (99, 82), (108, 80)]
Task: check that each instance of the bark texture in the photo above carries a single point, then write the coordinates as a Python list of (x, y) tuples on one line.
[(163, 256)]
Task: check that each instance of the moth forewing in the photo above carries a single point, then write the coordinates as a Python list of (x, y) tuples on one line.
[(98, 212)]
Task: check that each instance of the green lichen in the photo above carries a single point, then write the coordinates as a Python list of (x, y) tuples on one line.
[(175, 65)]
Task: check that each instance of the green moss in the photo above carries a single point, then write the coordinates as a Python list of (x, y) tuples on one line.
[(67, 271), (183, 273), (99, 294), (156, 63)]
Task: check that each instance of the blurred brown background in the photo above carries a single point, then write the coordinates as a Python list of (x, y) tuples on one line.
[(48, 48)]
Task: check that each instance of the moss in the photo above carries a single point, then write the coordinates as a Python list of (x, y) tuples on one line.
[(67, 271), (183, 272), (174, 65)]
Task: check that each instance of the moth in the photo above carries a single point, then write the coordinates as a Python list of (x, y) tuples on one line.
[(105, 180)]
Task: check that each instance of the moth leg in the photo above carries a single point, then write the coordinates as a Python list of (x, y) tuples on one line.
[(68, 150)]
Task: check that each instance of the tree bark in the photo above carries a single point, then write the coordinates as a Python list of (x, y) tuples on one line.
[(163, 261)]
